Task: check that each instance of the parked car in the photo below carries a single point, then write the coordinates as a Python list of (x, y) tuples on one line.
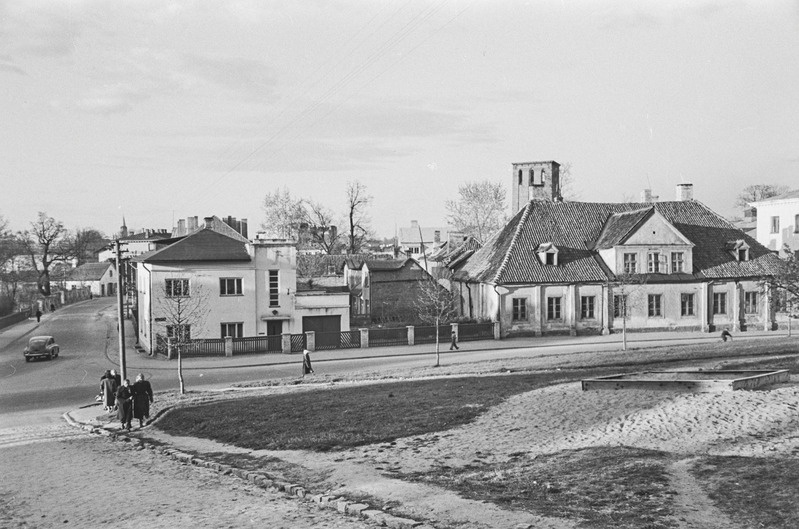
[(41, 347)]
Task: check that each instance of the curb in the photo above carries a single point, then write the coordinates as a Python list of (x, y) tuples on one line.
[(263, 480)]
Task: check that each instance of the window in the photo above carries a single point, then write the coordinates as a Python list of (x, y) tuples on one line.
[(686, 304), (550, 258), (230, 286), (180, 333), (677, 262), (743, 255), (587, 307), (775, 224), (519, 309), (177, 288), (520, 177), (234, 330), (720, 303), (653, 262), (655, 305), (620, 306), (537, 178), (796, 224), (630, 263), (274, 293), (553, 308), (750, 302)]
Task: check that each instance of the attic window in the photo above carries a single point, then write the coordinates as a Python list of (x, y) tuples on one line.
[(739, 249), (548, 254)]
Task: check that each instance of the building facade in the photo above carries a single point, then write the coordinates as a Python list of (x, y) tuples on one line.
[(778, 222)]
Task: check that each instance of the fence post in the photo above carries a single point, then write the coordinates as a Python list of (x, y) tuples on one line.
[(496, 330), (310, 340), (169, 348), (228, 346), (364, 338), (411, 335), (285, 343)]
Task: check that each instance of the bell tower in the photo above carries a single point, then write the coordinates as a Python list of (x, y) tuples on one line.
[(534, 181)]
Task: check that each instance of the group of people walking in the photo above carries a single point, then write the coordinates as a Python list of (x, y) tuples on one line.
[(129, 401)]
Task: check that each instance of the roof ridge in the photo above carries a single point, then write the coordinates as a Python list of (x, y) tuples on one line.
[(505, 259)]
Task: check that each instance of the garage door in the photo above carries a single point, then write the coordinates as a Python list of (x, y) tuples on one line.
[(327, 329)]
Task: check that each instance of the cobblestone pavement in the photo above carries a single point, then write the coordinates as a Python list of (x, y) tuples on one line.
[(59, 476)]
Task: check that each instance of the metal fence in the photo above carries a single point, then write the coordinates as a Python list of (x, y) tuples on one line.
[(350, 340), (258, 344), (392, 336), (427, 334), (475, 331), (297, 342)]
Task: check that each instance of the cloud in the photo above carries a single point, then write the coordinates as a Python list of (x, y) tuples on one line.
[(239, 74), (42, 29), (111, 99), (8, 65)]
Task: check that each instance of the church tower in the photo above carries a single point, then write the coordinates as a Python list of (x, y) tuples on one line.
[(534, 181), (123, 230)]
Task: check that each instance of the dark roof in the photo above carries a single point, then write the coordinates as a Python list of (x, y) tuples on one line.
[(620, 225), (389, 265), (147, 236), (509, 258), (202, 245), (89, 272)]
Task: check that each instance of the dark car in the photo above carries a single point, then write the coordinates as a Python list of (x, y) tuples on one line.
[(41, 347)]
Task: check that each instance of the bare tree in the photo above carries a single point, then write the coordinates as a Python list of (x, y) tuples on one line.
[(568, 188), (786, 282), (283, 214), (9, 276), (184, 305), (322, 228), (625, 291), (755, 192), (479, 210), (358, 199), (45, 243), (84, 244), (435, 305)]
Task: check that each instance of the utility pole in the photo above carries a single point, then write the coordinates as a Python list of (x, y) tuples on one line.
[(120, 314)]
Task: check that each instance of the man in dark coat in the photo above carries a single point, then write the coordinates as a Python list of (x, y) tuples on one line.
[(453, 342), (125, 404), (142, 397), (108, 388)]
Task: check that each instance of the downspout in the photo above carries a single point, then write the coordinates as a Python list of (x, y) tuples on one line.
[(150, 310), (499, 303), (471, 312)]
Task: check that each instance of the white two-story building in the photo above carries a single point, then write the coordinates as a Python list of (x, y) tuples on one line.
[(244, 289)]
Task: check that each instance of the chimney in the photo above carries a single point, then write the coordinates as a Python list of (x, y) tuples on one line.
[(147, 233), (414, 224), (647, 196), (209, 222), (181, 231), (243, 230), (685, 192)]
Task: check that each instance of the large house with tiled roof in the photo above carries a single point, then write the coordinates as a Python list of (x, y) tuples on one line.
[(571, 267), (250, 289)]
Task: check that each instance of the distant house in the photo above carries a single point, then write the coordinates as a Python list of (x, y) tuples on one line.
[(560, 267), (417, 241), (778, 222), (100, 278), (450, 255), (251, 289), (384, 290)]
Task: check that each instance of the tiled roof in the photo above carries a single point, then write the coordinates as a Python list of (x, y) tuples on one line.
[(203, 245), (89, 272), (620, 225), (389, 265), (509, 257)]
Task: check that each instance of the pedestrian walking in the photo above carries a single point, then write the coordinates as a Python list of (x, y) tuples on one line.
[(453, 343), (108, 389), (38, 314), (306, 362), (725, 334), (52, 307), (116, 376), (125, 404), (142, 398)]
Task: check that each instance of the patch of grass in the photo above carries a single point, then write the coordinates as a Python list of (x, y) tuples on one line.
[(607, 487), (758, 492), (340, 418)]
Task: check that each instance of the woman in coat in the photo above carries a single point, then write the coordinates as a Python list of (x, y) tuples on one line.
[(125, 404), (108, 389), (142, 397)]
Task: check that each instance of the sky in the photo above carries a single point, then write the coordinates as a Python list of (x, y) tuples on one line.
[(159, 110)]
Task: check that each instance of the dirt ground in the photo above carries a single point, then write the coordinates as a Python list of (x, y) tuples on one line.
[(83, 480)]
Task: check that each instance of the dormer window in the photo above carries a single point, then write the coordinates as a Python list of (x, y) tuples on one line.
[(738, 249), (548, 254)]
